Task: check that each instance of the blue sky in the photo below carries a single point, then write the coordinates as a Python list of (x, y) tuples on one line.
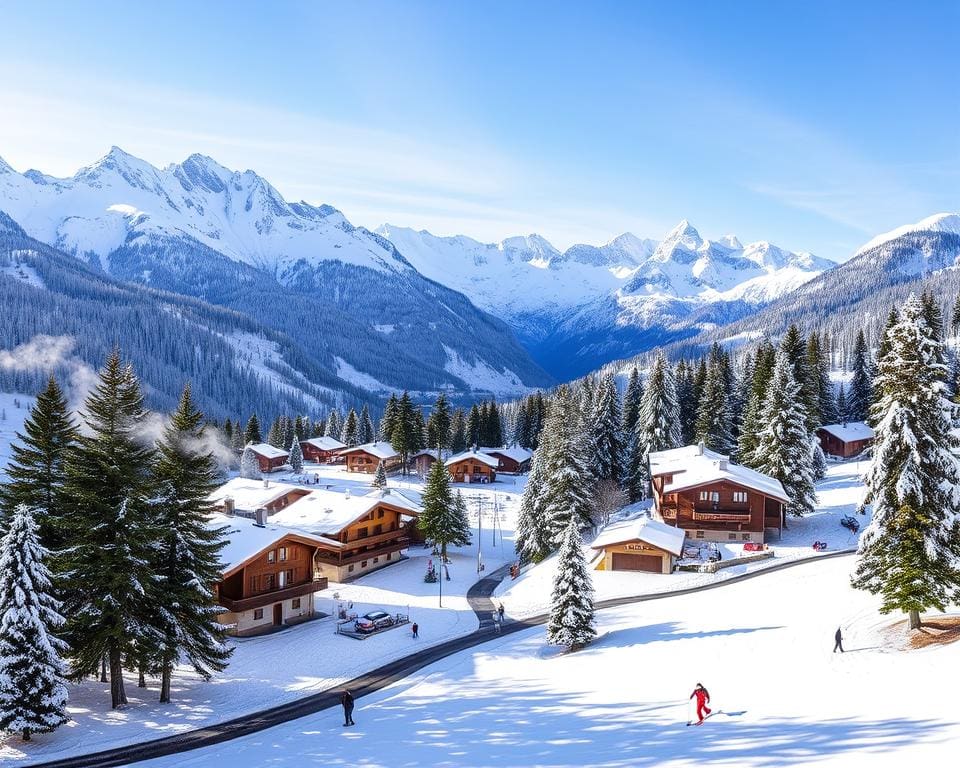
[(815, 125)]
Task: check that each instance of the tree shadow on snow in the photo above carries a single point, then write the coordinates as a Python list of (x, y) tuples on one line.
[(663, 632)]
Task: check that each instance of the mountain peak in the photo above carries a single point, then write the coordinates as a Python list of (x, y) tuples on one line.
[(680, 244), (731, 241), (5, 167), (202, 171), (939, 222)]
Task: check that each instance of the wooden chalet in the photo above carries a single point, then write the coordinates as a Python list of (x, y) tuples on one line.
[(243, 497), (422, 461), (361, 533), (641, 544), (269, 575), (845, 440), (712, 498), (269, 457), (366, 457), (322, 450), (472, 467), (512, 460)]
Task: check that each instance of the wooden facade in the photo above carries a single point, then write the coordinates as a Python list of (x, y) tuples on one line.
[(319, 455), (271, 463), (470, 470), (373, 541), (718, 511), (636, 556), (508, 464), (422, 462), (271, 589), (359, 460), (845, 449)]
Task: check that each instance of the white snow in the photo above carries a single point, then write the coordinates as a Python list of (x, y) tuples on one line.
[(474, 456), (514, 452), (19, 270), (666, 537), (358, 378), (329, 512), (940, 222), (325, 443), (480, 376), (14, 409), (268, 451), (245, 538), (689, 468), (380, 449), (851, 431), (254, 352), (249, 494)]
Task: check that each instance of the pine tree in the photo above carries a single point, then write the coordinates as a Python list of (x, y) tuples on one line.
[(252, 433), (783, 444), (842, 408), (955, 318), (296, 454), (473, 427), (818, 364), (794, 347), (349, 431), (187, 558), (567, 488), (250, 465), (458, 432), (909, 554), (658, 424), (334, 426), (389, 420), (493, 432), (35, 470), (109, 582), (33, 691), (380, 477), (365, 431), (687, 401), (606, 443), (237, 443), (438, 426), (860, 396), (631, 402), (532, 540), (286, 433), (818, 461), (571, 606), (750, 424), (404, 438), (275, 435), (714, 414), (440, 519)]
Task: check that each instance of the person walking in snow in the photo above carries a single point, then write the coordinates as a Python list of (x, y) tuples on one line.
[(500, 612), (346, 700), (838, 641), (703, 697), (416, 630)]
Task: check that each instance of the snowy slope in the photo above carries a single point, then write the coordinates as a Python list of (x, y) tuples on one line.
[(14, 409)]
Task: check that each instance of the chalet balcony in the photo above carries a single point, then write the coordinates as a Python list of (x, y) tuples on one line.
[(722, 515), (351, 556), (273, 596)]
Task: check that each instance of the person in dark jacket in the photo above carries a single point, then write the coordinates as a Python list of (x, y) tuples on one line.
[(838, 641), (346, 700), (416, 630), (703, 697), (500, 612)]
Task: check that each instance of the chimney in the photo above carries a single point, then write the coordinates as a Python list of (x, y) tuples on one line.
[(723, 464), (261, 517), (266, 483), (700, 448), (229, 505)]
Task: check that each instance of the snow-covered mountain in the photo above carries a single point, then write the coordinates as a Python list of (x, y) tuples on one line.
[(577, 309), (345, 294)]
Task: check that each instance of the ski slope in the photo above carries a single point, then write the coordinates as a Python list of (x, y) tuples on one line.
[(762, 647)]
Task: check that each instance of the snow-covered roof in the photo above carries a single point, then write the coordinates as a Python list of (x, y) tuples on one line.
[(472, 456), (250, 494), (246, 539), (644, 529), (325, 443), (849, 432), (514, 452), (381, 449), (329, 512), (431, 452), (692, 466), (268, 451)]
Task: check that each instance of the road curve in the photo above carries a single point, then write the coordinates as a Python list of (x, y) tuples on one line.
[(479, 598)]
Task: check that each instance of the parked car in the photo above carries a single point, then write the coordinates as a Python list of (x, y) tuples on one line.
[(373, 621), (850, 523)]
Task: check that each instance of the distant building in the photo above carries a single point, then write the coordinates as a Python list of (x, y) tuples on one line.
[(422, 461), (322, 450), (640, 544), (366, 457), (243, 497), (511, 460), (845, 440), (269, 577), (269, 457), (472, 467), (712, 498)]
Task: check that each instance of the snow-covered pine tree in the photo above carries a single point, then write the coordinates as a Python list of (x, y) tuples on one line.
[(818, 365), (404, 438), (842, 407), (348, 432), (379, 477), (532, 539), (571, 605), (568, 485), (187, 559), (249, 464), (458, 432), (237, 443), (440, 519), (109, 582), (296, 454), (389, 420), (252, 432), (783, 444), (750, 424), (606, 443), (658, 424), (286, 433), (860, 396), (631, 402), (687, 400), (365, 431), (334, 426), (438, 426), (818, 461), (473, 426), (35, 470), (795, 348), (714, 416), (275, 435), (33, 691), (909, 555)]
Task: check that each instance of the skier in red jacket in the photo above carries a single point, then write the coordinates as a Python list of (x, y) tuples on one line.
[(703, 696)]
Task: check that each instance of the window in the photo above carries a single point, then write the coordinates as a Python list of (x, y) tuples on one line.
[(350, 568), (283, 579), (271, 556), (295, 603), (378, 528), (740, 497), (703, 495), (714, 496), (269, 581), (746, 537), (363, 564), (732, 536), (699, 534), (283, 554), (379, 513), (363, 532), (376, 560), (257, 613), (388, 555)]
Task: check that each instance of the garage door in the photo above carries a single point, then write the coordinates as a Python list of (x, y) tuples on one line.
[(625, 562)]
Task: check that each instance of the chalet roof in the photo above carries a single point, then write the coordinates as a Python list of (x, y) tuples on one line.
[(432, 452), (245, 539), (472, 456), (849, 432), (514, 452), (325, 443), (693, 466), (381, 449), (329, 512), (268, 451), (250, 494), (643, 529)]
